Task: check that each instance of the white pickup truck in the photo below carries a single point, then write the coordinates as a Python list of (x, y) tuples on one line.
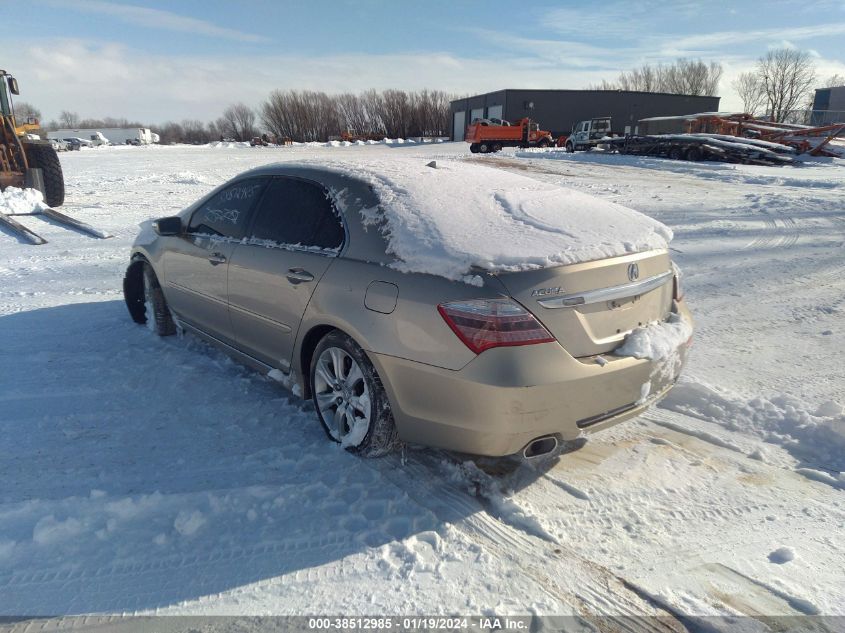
[(588, 134)]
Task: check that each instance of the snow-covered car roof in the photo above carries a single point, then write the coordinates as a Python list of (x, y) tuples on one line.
[(447, 220)]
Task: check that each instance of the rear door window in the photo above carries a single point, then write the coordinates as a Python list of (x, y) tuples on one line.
[(226, 214), (297, 214)]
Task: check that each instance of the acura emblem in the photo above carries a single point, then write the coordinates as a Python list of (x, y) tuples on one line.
[(633, 272)]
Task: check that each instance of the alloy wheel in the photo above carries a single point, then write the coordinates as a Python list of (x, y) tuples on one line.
[(341, 392)]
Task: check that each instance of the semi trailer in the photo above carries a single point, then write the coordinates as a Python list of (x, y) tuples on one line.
[(108, 135)]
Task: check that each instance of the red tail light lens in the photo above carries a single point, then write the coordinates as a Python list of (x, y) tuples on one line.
[(485, 323)]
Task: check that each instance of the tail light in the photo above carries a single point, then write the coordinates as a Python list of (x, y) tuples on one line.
[(677, 290), (485, 323)]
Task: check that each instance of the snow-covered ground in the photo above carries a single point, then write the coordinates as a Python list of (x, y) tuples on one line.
[(157, 476)]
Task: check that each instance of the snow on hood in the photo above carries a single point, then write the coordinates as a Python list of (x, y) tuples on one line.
[(445, 220)]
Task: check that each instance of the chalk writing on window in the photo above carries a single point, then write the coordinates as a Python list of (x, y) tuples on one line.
[(222, 215)]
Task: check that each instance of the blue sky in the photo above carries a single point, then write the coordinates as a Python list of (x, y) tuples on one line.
[(175, 60)]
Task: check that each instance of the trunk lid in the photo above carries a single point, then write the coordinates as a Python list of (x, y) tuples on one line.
[(589, 307)]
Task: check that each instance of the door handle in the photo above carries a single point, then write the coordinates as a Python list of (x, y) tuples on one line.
[(217, 258), (298, 275)]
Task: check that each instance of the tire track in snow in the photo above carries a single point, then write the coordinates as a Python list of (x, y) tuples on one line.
[(674, 421), (468, 500), (779, 231), (667, 562)]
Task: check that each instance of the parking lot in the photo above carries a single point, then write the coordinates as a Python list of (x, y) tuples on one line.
[(156, 475)]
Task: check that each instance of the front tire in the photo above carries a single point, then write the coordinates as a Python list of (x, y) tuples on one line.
[(570, 147), (350, 399), (45, 157), (156, 313)]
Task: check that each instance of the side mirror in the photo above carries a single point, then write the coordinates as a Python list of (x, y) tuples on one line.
[(168, 226), (13, 86)]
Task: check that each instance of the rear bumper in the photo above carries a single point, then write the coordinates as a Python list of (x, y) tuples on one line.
[(508, 396)]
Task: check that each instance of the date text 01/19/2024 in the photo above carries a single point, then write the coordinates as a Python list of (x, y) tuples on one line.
[(419, 622)]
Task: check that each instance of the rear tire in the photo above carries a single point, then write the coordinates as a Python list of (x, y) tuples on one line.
[(484, 148), (347, 393), (473, 148), (156, 313), (676, 153), (497, 148), (46, 158)]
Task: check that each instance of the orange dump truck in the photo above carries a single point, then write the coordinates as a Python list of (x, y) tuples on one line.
[(484, 137)]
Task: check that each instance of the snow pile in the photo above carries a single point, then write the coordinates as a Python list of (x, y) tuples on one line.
[(187, 178), (289, 381), (448, 219), (228, 144), (188, 522), (336, 143), (14, 200), (662, 343), (814, 435), (657, 341)]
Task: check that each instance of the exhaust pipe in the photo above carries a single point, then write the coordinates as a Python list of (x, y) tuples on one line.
[(540, 447)]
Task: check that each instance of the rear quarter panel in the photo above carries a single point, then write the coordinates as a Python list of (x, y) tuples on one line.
[(414, 330)]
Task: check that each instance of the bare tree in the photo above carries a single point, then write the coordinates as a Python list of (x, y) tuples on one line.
[(214, 131), (169, 133), (24, 111), (301, 115), (371, 103), (69, 119), (396, 111), (787, 76), (643, 79), (834, 81), (195, 132), (691, 77), (749, 88), (238, 121), (108, 122), (316, 116), (683, 76), (354, 115)]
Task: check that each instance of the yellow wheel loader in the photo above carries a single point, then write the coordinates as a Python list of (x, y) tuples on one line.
[(28, 161)]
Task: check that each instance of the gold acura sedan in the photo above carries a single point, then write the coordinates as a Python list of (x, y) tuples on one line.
[(445, 303)]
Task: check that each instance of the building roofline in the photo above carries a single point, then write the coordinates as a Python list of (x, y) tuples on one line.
[(635, 92)]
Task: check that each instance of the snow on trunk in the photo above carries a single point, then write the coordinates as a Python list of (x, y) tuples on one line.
[(447, 219)]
